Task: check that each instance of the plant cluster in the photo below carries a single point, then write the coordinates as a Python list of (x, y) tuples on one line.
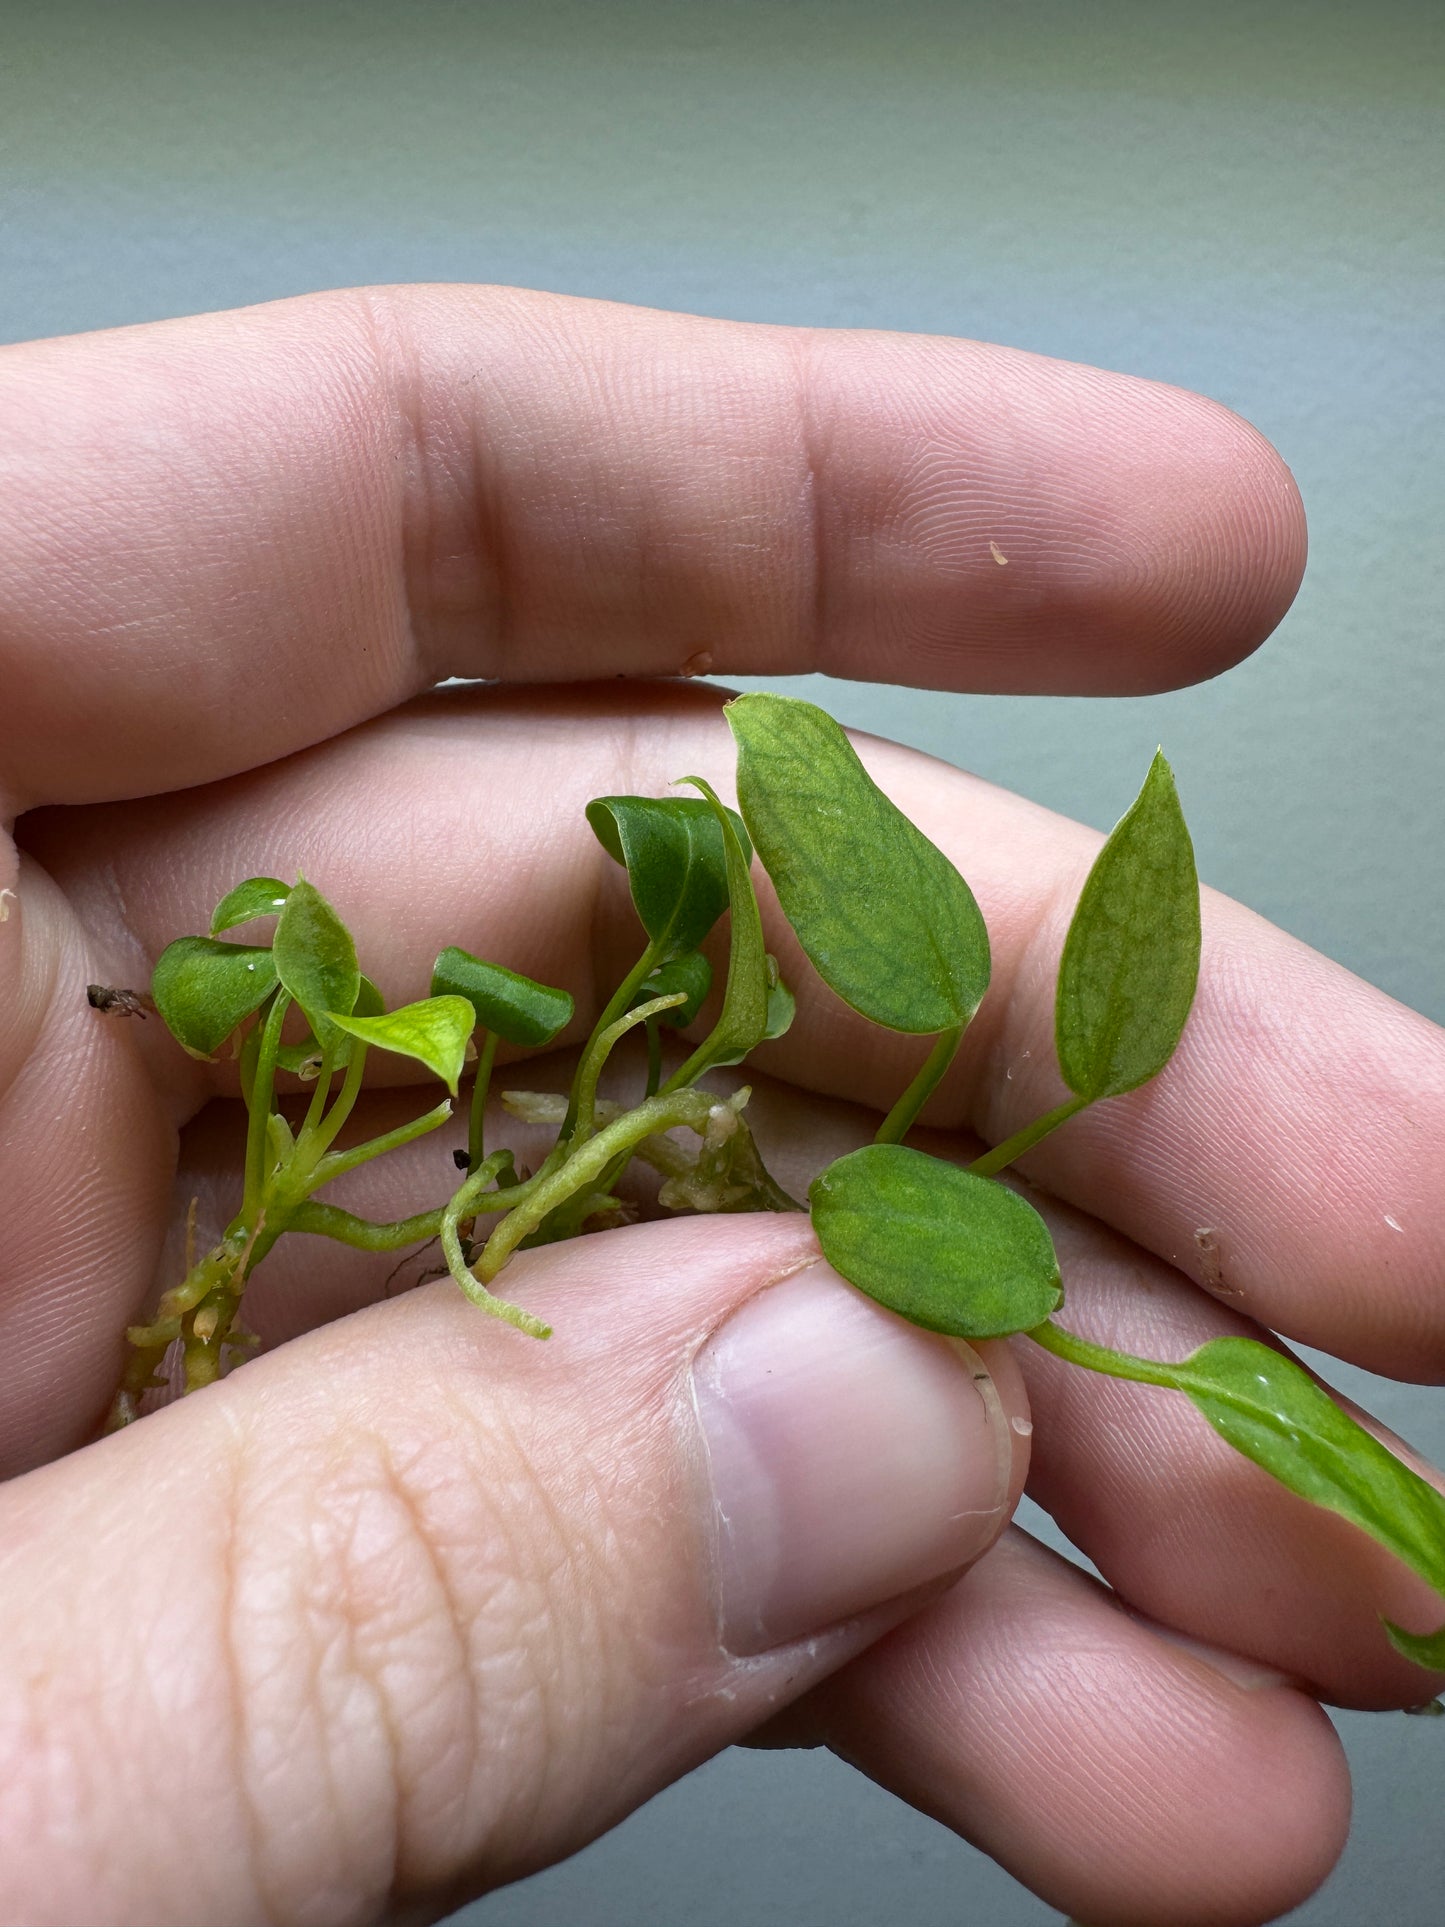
[(893, 929)]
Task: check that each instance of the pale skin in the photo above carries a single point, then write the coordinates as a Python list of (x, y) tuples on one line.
[(412, 1605)]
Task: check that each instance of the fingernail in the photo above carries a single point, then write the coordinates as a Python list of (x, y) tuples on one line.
[(852, 1456)]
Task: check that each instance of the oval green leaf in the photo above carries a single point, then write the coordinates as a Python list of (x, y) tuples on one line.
[(315, 957), (204, 989), (886, 920), (944, 1249), (256, 897), (1131, 958), (435, 1032), (691, 974), (518, 1009), (1270, 1409), (672, 850)]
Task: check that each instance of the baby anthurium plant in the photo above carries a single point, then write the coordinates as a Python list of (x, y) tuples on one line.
[(893, 929)]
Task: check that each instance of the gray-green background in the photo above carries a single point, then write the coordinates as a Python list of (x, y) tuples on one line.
[(1245, 199)]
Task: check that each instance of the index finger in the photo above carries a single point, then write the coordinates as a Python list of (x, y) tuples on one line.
[(225, 538)]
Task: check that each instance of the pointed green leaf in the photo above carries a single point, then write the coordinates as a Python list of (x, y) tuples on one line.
[(1131, 958), (315, 957), (743, 1020), (943, 1248), (435, 1032), (256, 897), (887, 921), (204, 989), (516, 1008), (672, 849), (1271, 1410), (691, 973)]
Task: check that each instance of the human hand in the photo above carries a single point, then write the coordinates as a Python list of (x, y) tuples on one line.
[(409, 1606)]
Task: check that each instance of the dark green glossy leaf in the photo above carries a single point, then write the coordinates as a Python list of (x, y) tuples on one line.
[(1131, 958), (672, 849), (943, 1248), (515, 1007), (303, 1058), (887, 921), (204, 989), (315, 957), (435, 1032), (691, 973), (1271, 1410), (743, 1020), (256, 897)]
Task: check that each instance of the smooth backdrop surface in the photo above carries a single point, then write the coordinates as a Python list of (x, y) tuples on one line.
[(1244, 199)]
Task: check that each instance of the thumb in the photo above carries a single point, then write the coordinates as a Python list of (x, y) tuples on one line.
[(413, 1606)]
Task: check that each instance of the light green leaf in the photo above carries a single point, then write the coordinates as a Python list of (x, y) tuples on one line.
[(1271, 1410), (691, 973), (1131, 958), (204, 989), (256, 897), (435, 1032), (743, 1019), (887, 921), (944, 1249), (518, 1009), (782, 1009), (672, 849), (315, 957)]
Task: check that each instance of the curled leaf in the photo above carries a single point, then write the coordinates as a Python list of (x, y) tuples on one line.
[(743, 1020), (672, 850), (691, 974), (944, 1249), (517, 1008), (256, 897)]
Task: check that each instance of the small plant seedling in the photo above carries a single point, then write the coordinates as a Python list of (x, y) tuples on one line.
[(892, 929)]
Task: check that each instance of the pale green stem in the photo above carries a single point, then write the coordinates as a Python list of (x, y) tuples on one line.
[(341, 1110), (584, 1089), (994, 1161), (364, 1234), (315, 1110), (616, 1004), (263, 1085), (468, 1200), (336, 1163), (1099, 1358), (899, 1121), (476, 1125), (587, 1164)]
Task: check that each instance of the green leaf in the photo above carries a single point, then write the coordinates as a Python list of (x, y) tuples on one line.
[(887, 921), (743, 1020), (943, 1248), (204, 989), (1426, 1649), (256, 897), (1271, 1410), (672, 849), (782, 1008), (435, 1032), (691, 973), (515, 1007), (315, 957), (1131, 958)]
